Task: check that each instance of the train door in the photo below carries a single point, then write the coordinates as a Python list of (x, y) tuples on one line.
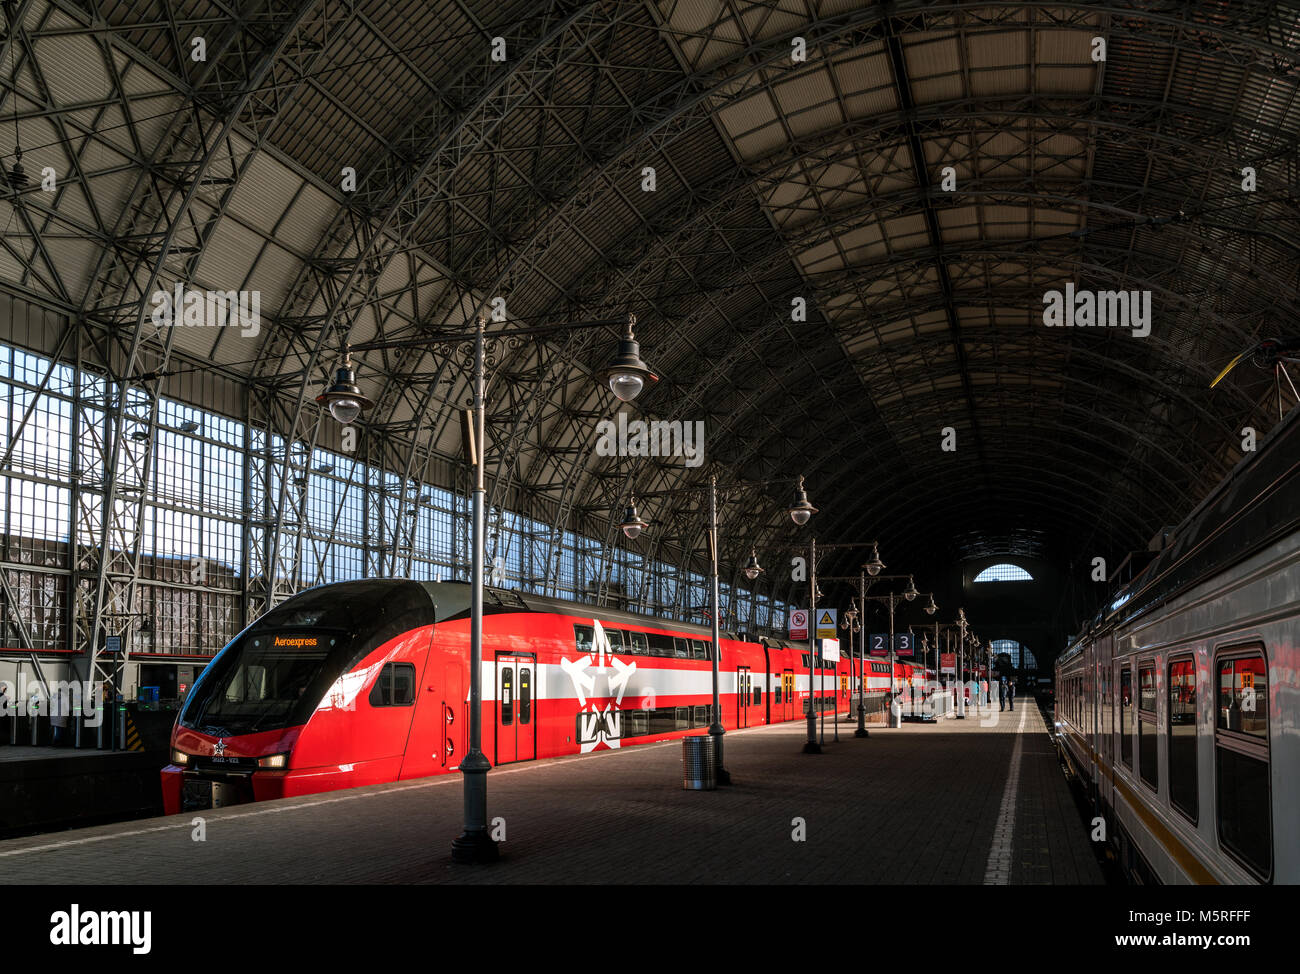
[(438, 735), (744, 696), (425, 751), (515, 725), (455, 715), (769, 683)]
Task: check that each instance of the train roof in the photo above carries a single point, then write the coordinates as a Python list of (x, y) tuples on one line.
[(451, 600), (1255, 505)]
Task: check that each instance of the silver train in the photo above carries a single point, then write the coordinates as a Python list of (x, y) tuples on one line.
[(1179, 706)]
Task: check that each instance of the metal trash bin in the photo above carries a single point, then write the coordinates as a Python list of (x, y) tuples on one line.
[(699, 769)]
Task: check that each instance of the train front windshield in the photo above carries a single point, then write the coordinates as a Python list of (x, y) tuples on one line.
[(276, 672)]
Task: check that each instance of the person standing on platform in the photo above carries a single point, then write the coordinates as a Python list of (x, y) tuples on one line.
[(1011, 695), (1002, 694), (58, 724)]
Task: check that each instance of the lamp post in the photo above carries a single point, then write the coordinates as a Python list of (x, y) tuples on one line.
[(872, 567), (891, 600), (626, 376), (811, 746), (474, 844), (853, 625), (632, 526), (961, 646)]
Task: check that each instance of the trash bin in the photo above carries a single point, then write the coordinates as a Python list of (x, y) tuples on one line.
[(699, 769)]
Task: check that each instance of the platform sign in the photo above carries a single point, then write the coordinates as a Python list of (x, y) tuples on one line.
[(798, 623), (112, 644), (878, 644), (948, 663), (829, 649), (904, 644), (826, 623)]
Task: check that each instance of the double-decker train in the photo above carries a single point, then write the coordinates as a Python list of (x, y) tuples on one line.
[(1177, 707), (366, 682)]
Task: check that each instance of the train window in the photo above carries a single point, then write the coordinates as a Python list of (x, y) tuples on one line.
[(1103, 709), (525, 694), (758, 695), (582, 637), (1182, 736), (1243, 696), (637, 723), (681, 648), (699, 649), (507, 695), (1126, 716), (640, 645), (1241, 760), (660, 645), (663, 720), (615, 638), (403, 685), (1147, 689), (395, 686), (777, 690), (1148, 762)]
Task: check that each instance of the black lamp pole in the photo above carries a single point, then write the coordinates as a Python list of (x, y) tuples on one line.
[(862, 659), (632, 527), (716, 730), (626, 375), (812, 747), (474, 844)]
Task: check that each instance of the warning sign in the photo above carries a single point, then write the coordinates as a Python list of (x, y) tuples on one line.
[(826, 623), (798, 623)]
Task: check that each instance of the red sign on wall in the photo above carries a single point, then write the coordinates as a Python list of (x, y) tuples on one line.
[(948, 663)]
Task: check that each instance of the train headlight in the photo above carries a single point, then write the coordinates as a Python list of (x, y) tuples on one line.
[(180, 757), (273, 761)]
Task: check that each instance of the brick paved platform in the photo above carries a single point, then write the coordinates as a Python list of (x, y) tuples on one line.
[(918, 804)]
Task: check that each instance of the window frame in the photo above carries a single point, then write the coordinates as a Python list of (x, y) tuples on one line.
[(390, 668), (1151, 718), (1193, 816), (506, 708), (524, 691), (1245, 745), (1124, 714)]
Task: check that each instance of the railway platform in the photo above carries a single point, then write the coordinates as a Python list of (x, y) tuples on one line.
[(977, 801), (49, 788)]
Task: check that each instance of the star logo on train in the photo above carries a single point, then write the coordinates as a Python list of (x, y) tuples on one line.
[(600, 724), (219, 748)]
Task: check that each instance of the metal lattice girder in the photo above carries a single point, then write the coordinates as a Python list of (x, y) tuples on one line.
[(520, 179), (128, 273), (443, 145), (516, 454)]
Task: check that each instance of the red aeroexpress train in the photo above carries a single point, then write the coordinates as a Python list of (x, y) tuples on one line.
[(366, 682)]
